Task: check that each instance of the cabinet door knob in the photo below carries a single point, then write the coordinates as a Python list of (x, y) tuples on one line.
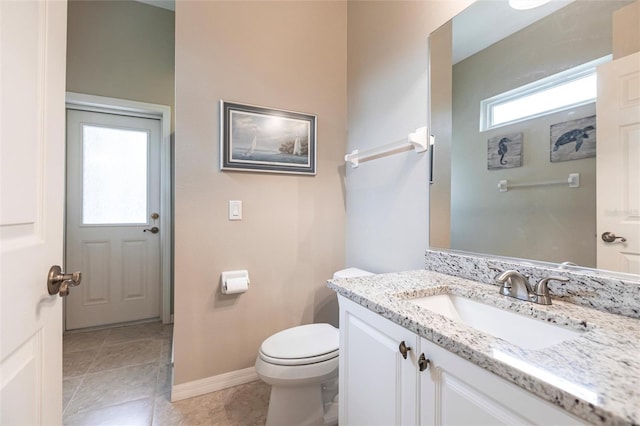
[(404, 349), (423, 362)]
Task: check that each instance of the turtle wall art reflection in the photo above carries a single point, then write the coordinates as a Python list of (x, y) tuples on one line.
[(573, 140)]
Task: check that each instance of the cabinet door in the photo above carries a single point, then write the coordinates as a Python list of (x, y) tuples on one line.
[(454, 391), (377, 385)]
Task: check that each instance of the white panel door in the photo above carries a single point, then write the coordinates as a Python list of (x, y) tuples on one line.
[(32, 54), (113, 200), (618, 164)]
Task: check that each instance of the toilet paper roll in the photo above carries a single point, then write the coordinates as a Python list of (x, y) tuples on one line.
[(235, 285)]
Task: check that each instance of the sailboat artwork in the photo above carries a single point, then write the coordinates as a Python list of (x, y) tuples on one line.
[(267, 140), (297, 147), (252, 147)]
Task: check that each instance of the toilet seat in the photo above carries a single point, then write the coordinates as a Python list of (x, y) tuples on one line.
[(302, 345), (298, 361)]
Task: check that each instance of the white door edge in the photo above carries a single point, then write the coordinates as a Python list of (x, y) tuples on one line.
[(86, 102)]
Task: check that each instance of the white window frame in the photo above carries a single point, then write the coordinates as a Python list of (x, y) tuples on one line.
[(487, 106)]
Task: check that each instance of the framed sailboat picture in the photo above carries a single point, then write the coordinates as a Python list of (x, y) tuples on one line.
[(262, 139)]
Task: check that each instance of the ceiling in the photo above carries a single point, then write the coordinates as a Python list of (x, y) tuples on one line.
[(477, 27), (488, 21), (165, 4)]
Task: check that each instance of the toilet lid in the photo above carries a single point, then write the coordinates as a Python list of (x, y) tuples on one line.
[(304, 344)]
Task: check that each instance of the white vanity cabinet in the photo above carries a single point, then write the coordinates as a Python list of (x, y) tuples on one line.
[(454, 391), (379, 387)]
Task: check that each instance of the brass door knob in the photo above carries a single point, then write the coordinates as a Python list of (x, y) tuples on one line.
[(57, 282)]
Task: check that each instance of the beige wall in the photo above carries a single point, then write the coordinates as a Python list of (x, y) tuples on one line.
[(121, 49), (440, 43), (626, 30), (279, 54), (387, 199)]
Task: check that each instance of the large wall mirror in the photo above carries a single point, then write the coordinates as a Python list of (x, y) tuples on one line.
[(503, 189)]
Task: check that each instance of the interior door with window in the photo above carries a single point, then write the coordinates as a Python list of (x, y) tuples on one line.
[(112, 220)]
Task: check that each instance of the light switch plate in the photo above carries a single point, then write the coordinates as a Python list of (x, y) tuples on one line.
[(235, 210)]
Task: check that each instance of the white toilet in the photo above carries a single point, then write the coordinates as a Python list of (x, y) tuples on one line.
[(301, 365)]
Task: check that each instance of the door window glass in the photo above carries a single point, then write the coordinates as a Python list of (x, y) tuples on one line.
[(114, 176)]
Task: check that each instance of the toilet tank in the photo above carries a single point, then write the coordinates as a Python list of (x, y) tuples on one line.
[(350, 273)]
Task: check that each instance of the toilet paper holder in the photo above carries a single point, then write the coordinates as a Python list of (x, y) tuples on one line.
[(230, 279)]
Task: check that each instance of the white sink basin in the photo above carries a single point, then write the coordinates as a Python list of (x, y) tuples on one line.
[(525, 332)]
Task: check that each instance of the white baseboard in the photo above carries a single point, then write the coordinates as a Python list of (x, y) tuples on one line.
[(213, 383)]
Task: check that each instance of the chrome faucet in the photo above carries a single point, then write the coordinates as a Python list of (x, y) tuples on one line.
[(514, 284)]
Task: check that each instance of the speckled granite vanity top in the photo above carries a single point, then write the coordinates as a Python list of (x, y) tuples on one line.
[(595, 376)]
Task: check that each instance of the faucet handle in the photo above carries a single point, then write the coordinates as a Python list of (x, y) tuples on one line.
[(495, 269), (541, 289), (566, 264)]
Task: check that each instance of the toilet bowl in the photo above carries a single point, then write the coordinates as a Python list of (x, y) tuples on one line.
[(301, 365)]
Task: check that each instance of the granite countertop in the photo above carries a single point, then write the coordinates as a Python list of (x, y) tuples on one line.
[(596, 376)]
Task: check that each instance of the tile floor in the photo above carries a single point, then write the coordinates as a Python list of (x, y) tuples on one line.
[(122, 376)]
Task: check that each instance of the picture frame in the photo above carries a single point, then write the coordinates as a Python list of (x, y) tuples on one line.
[(263, 139), (504, 151), (573, 139)]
